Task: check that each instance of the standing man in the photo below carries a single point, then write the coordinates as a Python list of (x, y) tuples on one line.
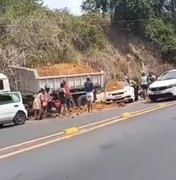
[(89, 93), (144, 84), (67, 94)]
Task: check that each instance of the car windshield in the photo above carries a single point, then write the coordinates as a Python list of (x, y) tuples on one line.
[(167, 76)]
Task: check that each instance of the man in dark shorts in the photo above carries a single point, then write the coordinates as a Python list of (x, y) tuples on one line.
[(144, 84), (62, 96), (68, 95)]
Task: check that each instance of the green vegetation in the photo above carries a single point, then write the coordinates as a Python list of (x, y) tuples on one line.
[(33, 35), (155, 19)]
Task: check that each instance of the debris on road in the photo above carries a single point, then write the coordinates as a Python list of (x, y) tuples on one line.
[(100, 106)]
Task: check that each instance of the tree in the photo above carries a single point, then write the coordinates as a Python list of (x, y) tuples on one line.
[(18, 8), (128, 12)]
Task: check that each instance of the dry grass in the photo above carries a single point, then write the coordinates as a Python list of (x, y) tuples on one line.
[(57, 37)]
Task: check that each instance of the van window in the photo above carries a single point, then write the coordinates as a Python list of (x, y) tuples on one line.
[(9, 98), (1, 84), (15, 97), (5, 99)]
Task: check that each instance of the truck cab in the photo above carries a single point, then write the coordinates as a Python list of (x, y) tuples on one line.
[(4, 83)]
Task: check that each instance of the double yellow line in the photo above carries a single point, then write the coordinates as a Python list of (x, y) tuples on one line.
[(70, 132)]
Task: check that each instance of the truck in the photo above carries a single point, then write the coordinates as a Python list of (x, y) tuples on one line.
[(29, 83)]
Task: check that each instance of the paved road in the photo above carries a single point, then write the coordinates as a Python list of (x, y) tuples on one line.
[(142, 148), (35, 129)]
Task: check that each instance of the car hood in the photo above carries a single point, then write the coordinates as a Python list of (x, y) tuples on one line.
[(117, 91), (163, 83)]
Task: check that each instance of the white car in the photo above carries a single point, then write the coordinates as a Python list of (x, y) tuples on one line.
[(125, 94), (164, 87), (12, 108)]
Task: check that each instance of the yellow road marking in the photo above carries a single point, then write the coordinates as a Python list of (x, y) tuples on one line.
[(60, 133), (71, 131), (78, 133), (126, 115), (31, 141)]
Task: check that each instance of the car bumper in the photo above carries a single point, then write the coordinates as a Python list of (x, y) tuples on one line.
[(118, 99), (163, 94)]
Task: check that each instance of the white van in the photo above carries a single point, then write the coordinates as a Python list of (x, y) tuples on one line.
[(12, 108)]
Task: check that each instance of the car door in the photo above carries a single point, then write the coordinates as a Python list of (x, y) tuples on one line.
[(6, 107)]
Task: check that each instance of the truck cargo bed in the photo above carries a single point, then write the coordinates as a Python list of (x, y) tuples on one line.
[(31, 82)]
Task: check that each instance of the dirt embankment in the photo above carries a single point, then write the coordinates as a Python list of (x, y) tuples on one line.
[(113, 85), (64, 69)]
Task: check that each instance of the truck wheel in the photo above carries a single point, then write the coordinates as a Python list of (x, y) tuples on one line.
[(82, 100), (20, 118), (153, 99)]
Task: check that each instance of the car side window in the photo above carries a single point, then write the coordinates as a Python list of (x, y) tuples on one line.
[(1, 84), (9, 98), (15, 97), (5, 99)]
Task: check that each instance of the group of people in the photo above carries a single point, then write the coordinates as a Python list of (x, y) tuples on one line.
[(143, 82), (43, 99), (146, 80)]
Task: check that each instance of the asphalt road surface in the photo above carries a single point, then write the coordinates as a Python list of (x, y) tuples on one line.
[(141, 148), (11, 135)]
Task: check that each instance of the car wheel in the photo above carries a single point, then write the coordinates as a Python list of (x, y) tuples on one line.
[(153, 99), (20, 118), (131, 100)]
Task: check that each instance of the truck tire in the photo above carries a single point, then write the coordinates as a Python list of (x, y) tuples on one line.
[(82, 100), (20, 118)]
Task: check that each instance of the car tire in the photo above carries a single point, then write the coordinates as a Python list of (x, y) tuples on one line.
[(131, 100), (20, 118), (153, 99)]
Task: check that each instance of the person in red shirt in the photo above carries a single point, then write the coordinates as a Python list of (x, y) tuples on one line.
[(68, 95)]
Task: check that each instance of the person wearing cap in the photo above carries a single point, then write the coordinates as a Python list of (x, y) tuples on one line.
[(89, 93)]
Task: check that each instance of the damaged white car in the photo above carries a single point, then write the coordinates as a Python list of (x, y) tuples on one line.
[(124, 94)]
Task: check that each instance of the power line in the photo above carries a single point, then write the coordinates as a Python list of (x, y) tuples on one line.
[(129, 20)]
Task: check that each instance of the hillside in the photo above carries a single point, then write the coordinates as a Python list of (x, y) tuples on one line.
[(45, 36)]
